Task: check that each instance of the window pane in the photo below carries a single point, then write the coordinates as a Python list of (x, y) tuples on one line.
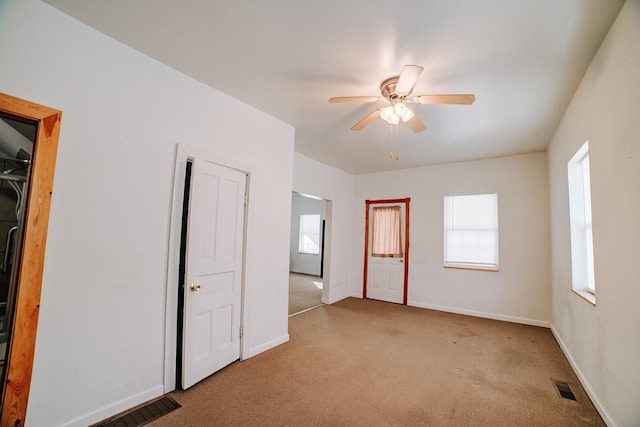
[(582, 264), (309, 237), (586, 188), (386, 232), (471, 229)]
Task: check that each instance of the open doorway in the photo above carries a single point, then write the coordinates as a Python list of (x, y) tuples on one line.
[(306, 256), (16, 148), (29, 168)]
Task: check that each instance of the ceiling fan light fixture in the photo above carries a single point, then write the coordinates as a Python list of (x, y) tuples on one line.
[(403, 112), (407, 116), (388, 115), (392, 114), (400, 109)]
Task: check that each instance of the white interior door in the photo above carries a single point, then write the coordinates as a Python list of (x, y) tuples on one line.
[(213, 275), (385, 266)]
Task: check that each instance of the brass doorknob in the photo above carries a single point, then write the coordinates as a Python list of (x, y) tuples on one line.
[(194, 287)]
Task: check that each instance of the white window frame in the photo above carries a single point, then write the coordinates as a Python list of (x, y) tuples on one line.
[(580, 221), (305, 234), (451, 217)]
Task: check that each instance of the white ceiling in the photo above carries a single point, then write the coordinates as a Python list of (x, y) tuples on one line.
[(523, 59)]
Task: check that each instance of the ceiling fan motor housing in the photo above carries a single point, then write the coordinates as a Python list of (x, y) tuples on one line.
[(388, 90)]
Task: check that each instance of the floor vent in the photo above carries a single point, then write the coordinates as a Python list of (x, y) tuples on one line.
[(141, 415), (564, 390)]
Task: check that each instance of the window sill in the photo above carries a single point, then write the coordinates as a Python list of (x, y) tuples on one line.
[(472, 267), (586, 295)]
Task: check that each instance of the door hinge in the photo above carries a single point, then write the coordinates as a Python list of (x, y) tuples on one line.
[(246, 199), (240, 333)]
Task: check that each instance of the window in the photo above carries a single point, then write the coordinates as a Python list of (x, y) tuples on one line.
[(309, 237), (471, 231), (582, 269), (386, 240)]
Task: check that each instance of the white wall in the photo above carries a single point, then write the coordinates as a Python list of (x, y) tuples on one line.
[(299, 262), (603, 342), (101, 333), (520, 291), (337, 189)]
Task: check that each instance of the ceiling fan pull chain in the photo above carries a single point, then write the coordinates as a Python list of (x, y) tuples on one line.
[(397, 140), (394, 142)]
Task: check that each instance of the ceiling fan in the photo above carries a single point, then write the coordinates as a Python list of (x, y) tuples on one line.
[(395, 93)]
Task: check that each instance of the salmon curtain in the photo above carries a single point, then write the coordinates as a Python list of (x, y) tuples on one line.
[(387, 232)]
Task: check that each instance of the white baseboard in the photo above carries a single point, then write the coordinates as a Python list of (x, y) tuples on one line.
[(332, 300), (266, 346), (494, 316), (116, 407), (583, 380)]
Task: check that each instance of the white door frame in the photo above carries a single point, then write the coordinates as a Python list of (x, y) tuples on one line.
[(183, 155)]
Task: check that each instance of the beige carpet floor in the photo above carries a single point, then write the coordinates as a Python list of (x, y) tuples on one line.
[(369, 363), (303, 292)]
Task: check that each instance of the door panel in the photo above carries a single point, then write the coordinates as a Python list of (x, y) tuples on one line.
[(213, 277), (396, 276)]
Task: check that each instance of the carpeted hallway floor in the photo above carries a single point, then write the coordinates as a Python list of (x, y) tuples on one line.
[(369, 363), (305, 292)]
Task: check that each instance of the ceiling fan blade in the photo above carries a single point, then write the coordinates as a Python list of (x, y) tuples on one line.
[(371, 117), (355, 99), (416, 124), (408, 79), (462, 99)]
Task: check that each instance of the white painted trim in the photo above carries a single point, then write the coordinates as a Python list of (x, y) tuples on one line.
[(334, 300), (494, 316), (173, 265), (115, 408), (267, 346), (192, 152), (305, 310), (183, 154), (583, 380), (356, 294)]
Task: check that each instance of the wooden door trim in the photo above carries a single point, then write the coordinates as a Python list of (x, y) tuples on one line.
[(36, 222), (368, 204)]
